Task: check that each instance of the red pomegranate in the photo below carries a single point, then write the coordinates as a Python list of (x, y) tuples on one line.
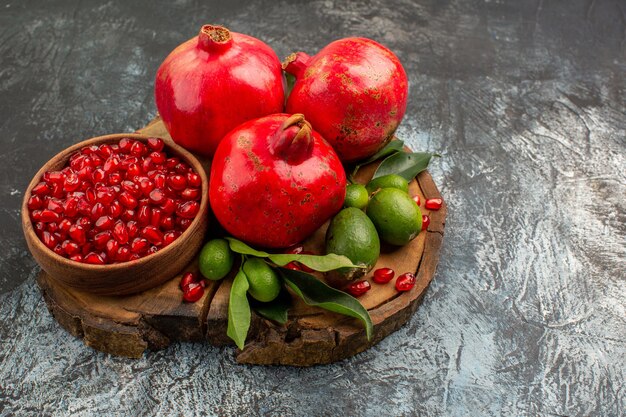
[(213, 83), (354, 93), (274, 181)]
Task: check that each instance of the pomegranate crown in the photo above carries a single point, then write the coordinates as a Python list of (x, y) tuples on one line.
[(214, 38), (293, 140)]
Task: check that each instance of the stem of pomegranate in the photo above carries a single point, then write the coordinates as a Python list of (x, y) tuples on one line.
[(292, 141), (214, 38), (296, 63)]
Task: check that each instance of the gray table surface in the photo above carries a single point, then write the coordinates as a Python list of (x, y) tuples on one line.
[(524, 100)]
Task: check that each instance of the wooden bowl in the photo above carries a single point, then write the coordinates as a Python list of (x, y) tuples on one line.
[(127, 277)]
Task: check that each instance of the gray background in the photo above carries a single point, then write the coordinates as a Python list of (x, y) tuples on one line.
[(524, 100)]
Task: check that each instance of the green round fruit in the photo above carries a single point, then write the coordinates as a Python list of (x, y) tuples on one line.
[(356, 196), (216, 259), (388, 181), (352, 234), (264, 283), (396, 216)]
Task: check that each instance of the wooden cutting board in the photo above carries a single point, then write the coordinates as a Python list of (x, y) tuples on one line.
[(151, 320)]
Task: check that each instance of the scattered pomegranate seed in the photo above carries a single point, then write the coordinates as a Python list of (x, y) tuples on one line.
[(293, 265), (383, 275), (405, 282), (115, 202), (295, 250), (357, 289), (433, 203), (193, 293), (188, 278), (416, 198), (425, 221)]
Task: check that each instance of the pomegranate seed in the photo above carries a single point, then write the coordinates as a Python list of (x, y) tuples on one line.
[(152, 234), (143, 215), (169, 237), (167, 223), (125, 144), (98, 175), (115, 209), (169, 206), (194, 179), (156, 144), (48, 216), (115, 178), (134, 257), (64, 226), (146, 185), (188, 209), (72, 182), (153, 249), (123, 254), (156, 216), (112, 247), (357, 289), (188, 278), (34, 202), (184, 223), (147, 164), (193, 293), (127, 200), (85, 173), (416, 198), (105, 195), (181, 168), (131, 188), (78, 234), (94, 258), (70, 207), (104, 150), (425, 221), (41, 189), (383, 275), (293, 265), (100, 240), (84, 222), (159, 180), (53, 227), (133, 171), (295, 250), (405, 282), (125, 163), (177, 182), (55, 205), (190, 194), (138, 149), (70, 247), (77, 257), (133, 229), (83, 207), (157, 196), (49, 239), (54, 177), (39, 228), (120, 232), (95, 160), (57, 190), (158, 157), (59, 250), (127, 215), (111, 164), (104, 223), (139, 245), (433, 203), (172, 162), (97, 211), (90, 195)]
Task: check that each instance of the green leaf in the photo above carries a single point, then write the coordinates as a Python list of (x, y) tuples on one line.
[(320, 263), (239, 310), (239, 247), (315, 293), (276, 310), (391, 148), (405, 164)]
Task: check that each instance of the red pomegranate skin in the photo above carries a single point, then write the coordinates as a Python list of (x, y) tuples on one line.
[(274, 181), (353, 92), (213, 83)]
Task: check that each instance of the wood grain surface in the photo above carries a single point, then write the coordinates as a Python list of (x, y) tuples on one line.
[(129, 325)]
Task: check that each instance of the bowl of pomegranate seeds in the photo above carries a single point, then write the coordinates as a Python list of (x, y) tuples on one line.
[(116, 214)]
